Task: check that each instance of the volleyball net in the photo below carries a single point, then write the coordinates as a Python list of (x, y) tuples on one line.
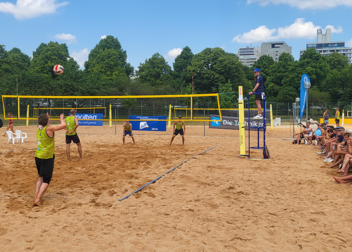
[(112, 108)]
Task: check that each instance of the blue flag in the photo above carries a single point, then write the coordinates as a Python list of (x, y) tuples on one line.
[(303, 96)]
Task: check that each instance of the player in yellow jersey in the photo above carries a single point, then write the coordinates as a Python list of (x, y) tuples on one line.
[(127, 130), (45, 153), (180, 129), (71, 134)]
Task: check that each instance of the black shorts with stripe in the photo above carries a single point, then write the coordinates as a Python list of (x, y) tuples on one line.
[(73, 138)]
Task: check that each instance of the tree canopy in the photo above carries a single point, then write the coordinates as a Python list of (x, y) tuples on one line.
[(214, 71)]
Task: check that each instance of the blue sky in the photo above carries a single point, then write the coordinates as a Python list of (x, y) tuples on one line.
[(164, 26)]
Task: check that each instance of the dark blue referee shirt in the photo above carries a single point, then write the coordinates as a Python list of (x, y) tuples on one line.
[(260, 89)]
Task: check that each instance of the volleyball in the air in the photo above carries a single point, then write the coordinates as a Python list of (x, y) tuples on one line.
[(58, 69)]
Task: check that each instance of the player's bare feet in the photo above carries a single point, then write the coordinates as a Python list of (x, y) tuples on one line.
[(37, 203), (337, 180), (340, 171)]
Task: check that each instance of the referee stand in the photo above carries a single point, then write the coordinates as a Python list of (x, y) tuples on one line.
[(258, 128)]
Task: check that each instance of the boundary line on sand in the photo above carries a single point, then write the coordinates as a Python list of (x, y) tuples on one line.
[(153, 181), (80, 198)]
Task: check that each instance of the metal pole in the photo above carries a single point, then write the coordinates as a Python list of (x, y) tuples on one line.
[(204, 119), (307, 108)]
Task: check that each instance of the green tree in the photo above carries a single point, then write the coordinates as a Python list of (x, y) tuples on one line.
[(182, 61), (155, 71), (212, 67), (337, 61), (114, 47), (47, 56), (226, 98)]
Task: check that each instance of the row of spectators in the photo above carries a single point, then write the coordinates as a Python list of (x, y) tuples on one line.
[(335, 145)]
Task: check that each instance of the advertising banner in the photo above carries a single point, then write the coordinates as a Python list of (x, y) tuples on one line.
[(233, 122), (151, 123), (90, 117)]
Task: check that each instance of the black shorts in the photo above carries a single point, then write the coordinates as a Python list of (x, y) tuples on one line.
[(45, 167), (337, 120), (178, 132), (258, 97), (73, 138)]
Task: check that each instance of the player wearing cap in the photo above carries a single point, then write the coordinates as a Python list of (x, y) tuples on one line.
[(180, 129), (258, 89)]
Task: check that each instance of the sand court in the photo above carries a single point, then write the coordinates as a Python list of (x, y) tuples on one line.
[(213, 202)]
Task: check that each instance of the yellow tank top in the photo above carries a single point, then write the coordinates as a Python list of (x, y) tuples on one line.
[(71, 124), (46, 145), (338, 115), (179, 125), (127, 127)]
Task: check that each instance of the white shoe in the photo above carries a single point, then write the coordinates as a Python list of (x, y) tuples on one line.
[(321, 152), (259, 116)]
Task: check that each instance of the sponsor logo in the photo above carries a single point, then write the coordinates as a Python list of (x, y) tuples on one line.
[(215, 124), (86, 116), (143, 125)]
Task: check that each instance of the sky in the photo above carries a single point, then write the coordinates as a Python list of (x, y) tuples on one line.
[(166, 26)]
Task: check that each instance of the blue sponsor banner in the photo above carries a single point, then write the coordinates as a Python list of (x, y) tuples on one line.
[(151, 123), (90, 117)]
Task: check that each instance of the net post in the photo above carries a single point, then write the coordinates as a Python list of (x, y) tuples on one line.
[(169, 123), (241, 122), (27, 121), (191, 108), (271, 116), (110, 116), (204, 119), (343, 117), (18, 107)]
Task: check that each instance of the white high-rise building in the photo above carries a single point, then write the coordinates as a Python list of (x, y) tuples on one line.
[(325, 46), (247, 56)]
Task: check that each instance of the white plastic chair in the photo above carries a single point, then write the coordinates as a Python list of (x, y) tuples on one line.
[(21, 135), (12, 137)]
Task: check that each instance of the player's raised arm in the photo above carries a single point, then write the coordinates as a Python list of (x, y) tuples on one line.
[(61, 126)]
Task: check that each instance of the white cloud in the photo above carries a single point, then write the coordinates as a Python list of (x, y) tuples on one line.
[(103, 37), (306, 4), (299, 29), (262, 33), (67, 37), (81, 57), (334, 30), (173, 53), (349, 43), (25, 9)]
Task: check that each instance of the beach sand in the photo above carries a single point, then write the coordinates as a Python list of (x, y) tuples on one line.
[(213, 202)]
